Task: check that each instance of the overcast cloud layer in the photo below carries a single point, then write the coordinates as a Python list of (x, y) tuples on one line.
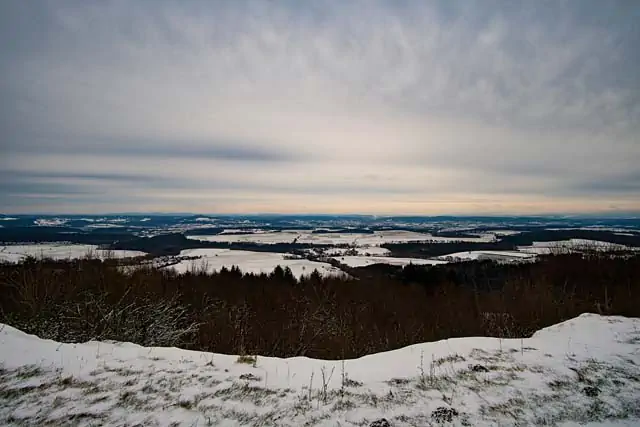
[(418, 107)]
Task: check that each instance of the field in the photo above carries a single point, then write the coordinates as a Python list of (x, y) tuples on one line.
[(60, 251), (356, 251), (211, 260), (375, 238)]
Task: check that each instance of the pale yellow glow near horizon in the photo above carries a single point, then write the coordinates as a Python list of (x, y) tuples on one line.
[(471, 205)]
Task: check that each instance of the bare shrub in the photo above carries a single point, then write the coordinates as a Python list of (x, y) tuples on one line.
[(372, 310)]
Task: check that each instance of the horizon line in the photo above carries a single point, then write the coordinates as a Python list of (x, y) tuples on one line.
[(620, 215)]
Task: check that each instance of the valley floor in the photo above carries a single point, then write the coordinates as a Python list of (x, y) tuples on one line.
[(582, 371)]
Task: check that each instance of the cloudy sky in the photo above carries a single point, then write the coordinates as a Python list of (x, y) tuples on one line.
[(416, 107)]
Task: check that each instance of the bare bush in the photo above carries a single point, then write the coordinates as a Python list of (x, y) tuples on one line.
[(338, 317)]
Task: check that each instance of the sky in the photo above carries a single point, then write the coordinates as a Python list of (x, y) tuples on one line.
[(381, 107)]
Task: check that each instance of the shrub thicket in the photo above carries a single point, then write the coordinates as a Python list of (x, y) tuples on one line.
[(377, 309)]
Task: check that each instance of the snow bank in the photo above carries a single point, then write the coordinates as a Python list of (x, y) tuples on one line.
[(585, 370)]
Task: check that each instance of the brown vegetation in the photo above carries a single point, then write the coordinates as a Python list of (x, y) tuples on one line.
[(379, 309)]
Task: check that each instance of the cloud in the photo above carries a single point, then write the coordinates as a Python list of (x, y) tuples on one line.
[(453, 107)]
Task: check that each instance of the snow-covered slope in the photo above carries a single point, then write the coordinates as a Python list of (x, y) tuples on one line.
[(60, 251), (363, 261), (562, 246), (583, 371), (500, 256)]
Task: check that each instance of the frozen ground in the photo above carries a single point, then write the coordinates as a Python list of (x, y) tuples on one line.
[(585, 371), (60, 251), (249, 262), (355, 239)]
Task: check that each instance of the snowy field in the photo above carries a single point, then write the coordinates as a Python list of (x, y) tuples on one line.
[(543, 248), (500, 256), (249, 262), (504, 232), (585, 371), (360, 250), (363, 261), (529, 253), (60, 251), (355, 239), (50, 222), (599, 228)]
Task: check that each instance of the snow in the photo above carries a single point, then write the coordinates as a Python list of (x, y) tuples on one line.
[(504, 232), (502, 256), (529, 253), (249, 262), (102, 225), (120, 220), (50, 222), (363, 261), (360, 250), (354, 239), (571, 244), (242, 231), (60, 251), (585, 371), (597, 228)]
